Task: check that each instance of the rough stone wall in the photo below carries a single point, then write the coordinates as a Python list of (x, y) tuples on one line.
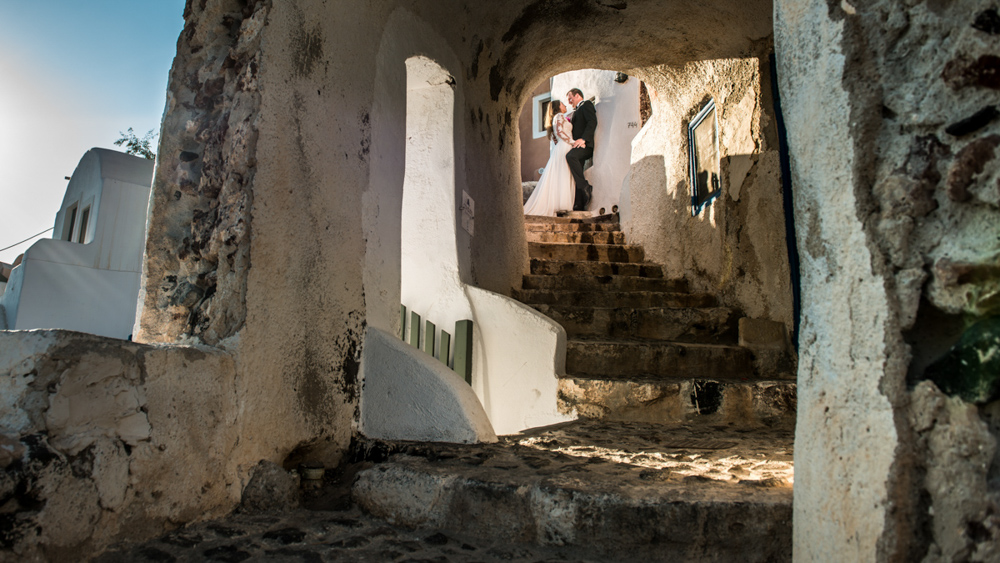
[(104, 441), (198, 244), (735, 247), (892, 121), (933, 209)]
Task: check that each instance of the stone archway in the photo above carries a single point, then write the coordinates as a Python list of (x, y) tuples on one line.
[(271, 196)]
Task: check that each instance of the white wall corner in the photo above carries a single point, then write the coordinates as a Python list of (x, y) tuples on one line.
[(408, 395), (518, 357)]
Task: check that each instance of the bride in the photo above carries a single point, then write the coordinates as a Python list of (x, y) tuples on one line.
[(554, 191)]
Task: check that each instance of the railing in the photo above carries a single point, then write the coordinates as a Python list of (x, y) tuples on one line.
[(461, 363)]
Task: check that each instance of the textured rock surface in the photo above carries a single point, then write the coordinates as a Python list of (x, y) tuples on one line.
[(657, 492), (883, 104), (735, 247), (957, 449), (198, 243), (271, 488), (663, 492), (105, 440), (738, 404), (314, 537)]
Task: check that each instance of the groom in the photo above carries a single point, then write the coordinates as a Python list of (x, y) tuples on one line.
[(584, 126)]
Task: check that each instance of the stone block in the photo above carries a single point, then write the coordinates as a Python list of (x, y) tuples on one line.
[(270, 488), (113, 440), (762, 333)]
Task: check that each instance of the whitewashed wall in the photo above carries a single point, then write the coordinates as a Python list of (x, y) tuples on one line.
[(89, 287), (413, 222)]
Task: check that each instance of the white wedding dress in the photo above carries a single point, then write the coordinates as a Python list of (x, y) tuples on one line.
[(555, 189)]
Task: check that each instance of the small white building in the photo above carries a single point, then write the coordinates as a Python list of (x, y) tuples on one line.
[(86, 277)]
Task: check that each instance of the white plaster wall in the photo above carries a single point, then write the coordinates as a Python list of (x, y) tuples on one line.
[(845, 436), (411, 219), (430, 281), (11, 297), (518, 356), (409, 395), (618, 120), (88, 287), (72, 297), (735, 247)]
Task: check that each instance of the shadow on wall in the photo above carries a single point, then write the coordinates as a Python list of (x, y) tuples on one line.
[(729, 247)]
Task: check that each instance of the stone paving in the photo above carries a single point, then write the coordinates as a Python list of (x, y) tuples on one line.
[(752, 456), (316, 536), (713, 464)]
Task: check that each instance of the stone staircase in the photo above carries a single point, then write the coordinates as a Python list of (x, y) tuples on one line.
[(683, 448), (642, 347)]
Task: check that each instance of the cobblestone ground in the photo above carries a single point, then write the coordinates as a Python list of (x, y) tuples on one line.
[(719, 460), (759, 456), (315, 536)]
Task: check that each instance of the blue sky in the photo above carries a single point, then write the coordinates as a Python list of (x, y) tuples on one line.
[(73, 73)]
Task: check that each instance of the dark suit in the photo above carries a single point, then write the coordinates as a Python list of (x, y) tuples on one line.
[(584, 126)]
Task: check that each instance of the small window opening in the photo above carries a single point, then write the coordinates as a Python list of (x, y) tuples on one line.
[(69, 223), (84, 220), (703, 154)]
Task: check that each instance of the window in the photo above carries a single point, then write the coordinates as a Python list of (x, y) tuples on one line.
[(84, 220), (69, 222), (703, 155), (538, 104)]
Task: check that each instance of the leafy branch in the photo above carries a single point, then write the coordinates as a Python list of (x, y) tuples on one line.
[(137, 146)]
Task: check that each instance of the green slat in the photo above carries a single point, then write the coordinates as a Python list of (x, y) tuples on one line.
[(429, 331), (463, 350), (414, 330), (402, 323), (444, 350)]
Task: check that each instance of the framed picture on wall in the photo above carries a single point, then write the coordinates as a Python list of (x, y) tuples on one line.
[(703, 157)]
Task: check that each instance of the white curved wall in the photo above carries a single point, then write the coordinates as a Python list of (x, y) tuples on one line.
[(411, 219)]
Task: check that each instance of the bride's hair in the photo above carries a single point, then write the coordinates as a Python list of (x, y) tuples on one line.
[(550, 112)]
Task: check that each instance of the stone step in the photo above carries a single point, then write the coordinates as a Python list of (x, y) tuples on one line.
[(540, 266), (710, 325), (636, 492), (626, 359), (571, 227), (571, 214), (589, 252), (613, 299), (601, 237), (612, 218), (734, 403), (604, 283)]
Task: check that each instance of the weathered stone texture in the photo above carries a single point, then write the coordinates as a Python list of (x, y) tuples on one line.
[(271, 488), (910, 108), (105, 441), (956, 449), (735, 247), (198, 245)]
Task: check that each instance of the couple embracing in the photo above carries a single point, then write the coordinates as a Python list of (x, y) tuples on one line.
[(562, 183)]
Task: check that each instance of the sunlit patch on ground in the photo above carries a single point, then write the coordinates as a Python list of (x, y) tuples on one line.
[(763, 456)]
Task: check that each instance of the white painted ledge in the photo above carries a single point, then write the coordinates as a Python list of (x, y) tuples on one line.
[(408, 395), (518, 356)]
